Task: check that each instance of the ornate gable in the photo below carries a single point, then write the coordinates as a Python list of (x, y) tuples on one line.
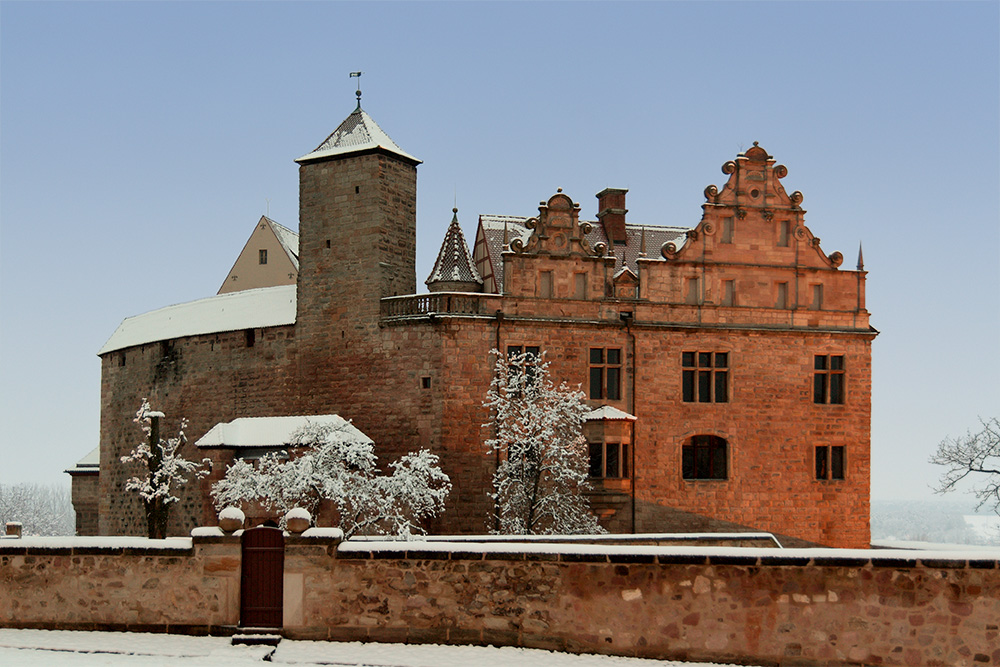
[(753, 213), (557, 230)]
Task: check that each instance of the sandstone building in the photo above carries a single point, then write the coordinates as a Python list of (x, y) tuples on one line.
[(729, 365)]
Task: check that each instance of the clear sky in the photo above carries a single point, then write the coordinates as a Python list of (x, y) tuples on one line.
[(140, 142)]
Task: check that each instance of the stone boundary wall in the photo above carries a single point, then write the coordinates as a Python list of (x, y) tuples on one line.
[(179, 585), (727, 604)]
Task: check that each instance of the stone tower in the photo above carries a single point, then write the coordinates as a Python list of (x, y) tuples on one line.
[(357, 226)]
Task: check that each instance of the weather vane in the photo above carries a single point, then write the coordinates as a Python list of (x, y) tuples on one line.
[(358, 75)]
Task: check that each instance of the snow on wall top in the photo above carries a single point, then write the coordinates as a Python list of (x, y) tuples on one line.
[(276, 431), (89, 463), (357, 133), (249, 309)]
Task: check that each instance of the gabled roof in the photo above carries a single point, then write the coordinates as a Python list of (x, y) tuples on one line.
[(608, 413), (288, 238), (454, 262), (358, 133), (247, 432), (249, 309)]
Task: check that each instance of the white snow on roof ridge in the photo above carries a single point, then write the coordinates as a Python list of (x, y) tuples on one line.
[(289, 240), (358, 132), (276, 431), (608, 413), (247, 309)]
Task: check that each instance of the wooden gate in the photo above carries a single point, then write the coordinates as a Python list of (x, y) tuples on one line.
[(262, 578)]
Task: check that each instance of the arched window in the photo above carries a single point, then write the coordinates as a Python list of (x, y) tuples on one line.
[(704, 457)]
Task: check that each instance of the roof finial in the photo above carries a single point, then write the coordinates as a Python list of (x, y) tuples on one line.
[(861, 258), (358, 75)]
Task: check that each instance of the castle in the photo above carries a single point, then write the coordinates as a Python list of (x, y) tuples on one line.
[(728, 366)]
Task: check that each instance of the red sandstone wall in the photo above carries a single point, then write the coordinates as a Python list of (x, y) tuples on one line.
[(206, 379)]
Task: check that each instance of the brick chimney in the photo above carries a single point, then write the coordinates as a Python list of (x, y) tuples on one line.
[(611, 212)]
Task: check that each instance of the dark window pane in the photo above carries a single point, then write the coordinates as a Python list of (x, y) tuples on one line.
[(819, 388), (704, 359), (687, 359), (534, 351), (821, 457), (702, 462), (626, 462), (836, 463), (611, 460), (596, 355), (687, 462), (820, 362), (614, 356), (614, 384), (719, 459), (513, 350), (704, 386), (597, 382), (596, 459), (689, 386), (721, 359), (837, 362), (837, 388), (721, 387)]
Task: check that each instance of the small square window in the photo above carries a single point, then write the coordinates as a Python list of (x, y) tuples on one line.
[(425, 382), (830, 462), (705, 377)]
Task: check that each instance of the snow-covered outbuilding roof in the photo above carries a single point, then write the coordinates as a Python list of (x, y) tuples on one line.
[(249, 309), (89, 464), (250, 432), (356, 134)]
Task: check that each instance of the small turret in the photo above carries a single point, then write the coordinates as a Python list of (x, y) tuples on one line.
[(454, 270)]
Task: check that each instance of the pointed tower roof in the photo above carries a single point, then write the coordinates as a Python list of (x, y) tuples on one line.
[(357, 134), (454, 262)]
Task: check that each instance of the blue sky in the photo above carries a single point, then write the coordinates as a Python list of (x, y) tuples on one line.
[(140, 142)]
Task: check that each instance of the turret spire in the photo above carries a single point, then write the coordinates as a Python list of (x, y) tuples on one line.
[(861, 258), (358, 76)]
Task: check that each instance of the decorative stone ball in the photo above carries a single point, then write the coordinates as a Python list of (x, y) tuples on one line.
[(231, 519), (297, 520)]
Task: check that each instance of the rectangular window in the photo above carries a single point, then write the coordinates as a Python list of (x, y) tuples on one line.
[(545, 285), (705, 377), (262, 257), (728, 292), (692, 292), (828, 379), (817, 300), (704, 457), (782, 299), (580, 286), (609, 459), (250, 337), (783, 229), (531, 354), (727, 230), (830, 462), (606, 373)]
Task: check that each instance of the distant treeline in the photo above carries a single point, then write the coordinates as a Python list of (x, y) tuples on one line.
[(941, 521), (42, 509)]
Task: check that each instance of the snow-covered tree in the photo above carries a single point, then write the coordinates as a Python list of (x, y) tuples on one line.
[(328, 462), (974, 456), (40, 509), (163, 469), (537, 432)]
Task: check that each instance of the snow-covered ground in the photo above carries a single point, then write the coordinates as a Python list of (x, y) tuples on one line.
[(37, 648)]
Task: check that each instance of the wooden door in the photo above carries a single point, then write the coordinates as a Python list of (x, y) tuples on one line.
[(262, 578)]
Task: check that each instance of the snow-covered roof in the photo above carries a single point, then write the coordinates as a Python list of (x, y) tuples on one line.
[(289, 240), (608, 413), (357, 133), (249, 309), (247, 432), (90, 463), (454, 261)]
